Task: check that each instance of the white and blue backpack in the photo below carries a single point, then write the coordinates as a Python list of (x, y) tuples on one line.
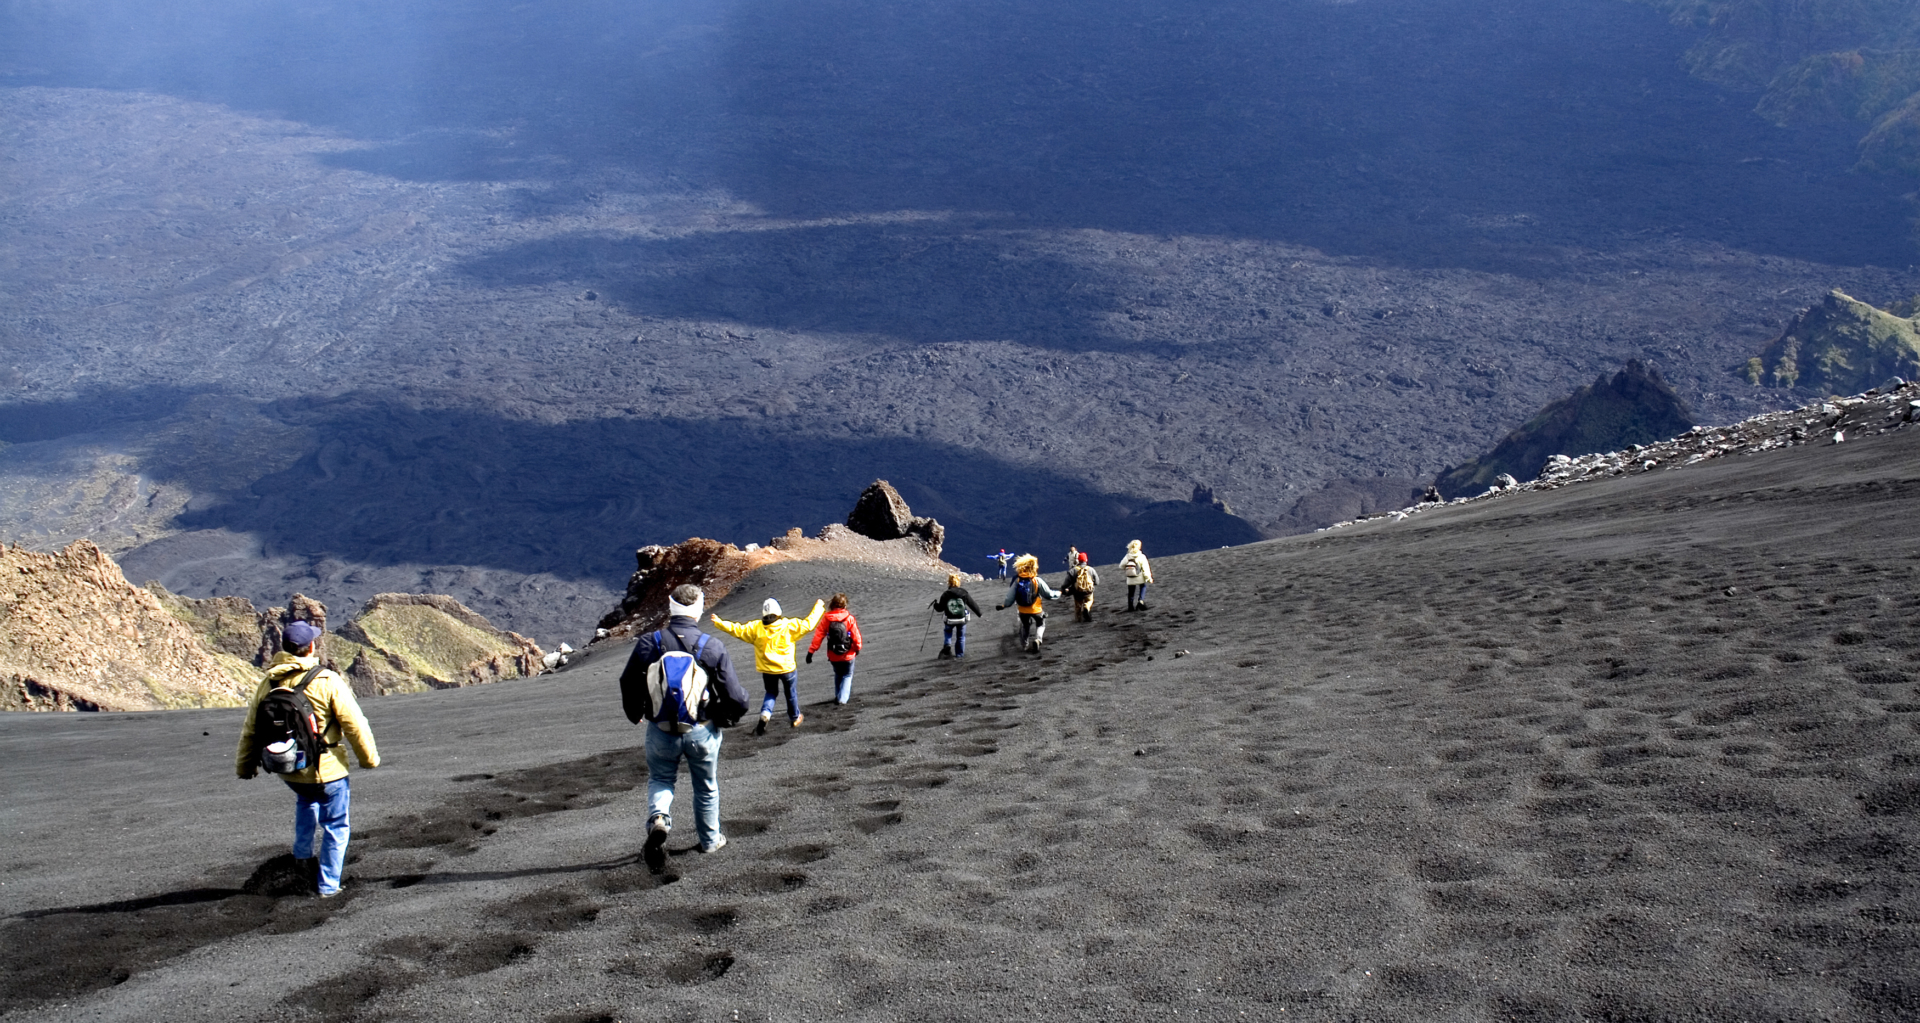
[(677, 686)]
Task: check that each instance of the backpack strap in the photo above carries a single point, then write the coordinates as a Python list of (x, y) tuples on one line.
[(699, 648), (307, 680)]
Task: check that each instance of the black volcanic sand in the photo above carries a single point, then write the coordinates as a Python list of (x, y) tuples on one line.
[(1631, 750)]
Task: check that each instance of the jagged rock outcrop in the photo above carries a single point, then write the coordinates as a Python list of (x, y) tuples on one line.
[(75, 635), (300, 608), (1634, 406), (882, 514), (399, 642), (1841, 346), (717, 567), (409, 641)]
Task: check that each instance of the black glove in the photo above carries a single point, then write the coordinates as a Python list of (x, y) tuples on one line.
[(809, 657)]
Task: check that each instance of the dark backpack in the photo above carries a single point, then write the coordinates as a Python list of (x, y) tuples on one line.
[(956, 609), (839, 637), (1026, 591), (677, 686), (286, 734)]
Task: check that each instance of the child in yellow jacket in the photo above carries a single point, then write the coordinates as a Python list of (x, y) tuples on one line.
[(772, 638)]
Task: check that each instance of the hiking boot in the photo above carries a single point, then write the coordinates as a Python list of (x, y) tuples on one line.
[(719, 842), (761, 728), (1142, 606), (797, 718), (657, 829), (945, 653)]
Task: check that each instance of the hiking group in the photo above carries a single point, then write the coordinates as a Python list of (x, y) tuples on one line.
[(683, 687)]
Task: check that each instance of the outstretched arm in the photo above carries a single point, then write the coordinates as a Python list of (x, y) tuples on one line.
[(738, 630)]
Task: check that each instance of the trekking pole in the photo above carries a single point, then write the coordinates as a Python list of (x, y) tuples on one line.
[(925, 632)]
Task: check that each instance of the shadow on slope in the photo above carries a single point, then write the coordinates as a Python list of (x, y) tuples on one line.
[(922, 281), (381, 483), (1458, 132)]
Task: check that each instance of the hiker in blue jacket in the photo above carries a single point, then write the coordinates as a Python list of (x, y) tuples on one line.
[(1002, 559), (699, 745)]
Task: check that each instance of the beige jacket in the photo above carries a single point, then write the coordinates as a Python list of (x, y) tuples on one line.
[(1134, 557), (338, 715)]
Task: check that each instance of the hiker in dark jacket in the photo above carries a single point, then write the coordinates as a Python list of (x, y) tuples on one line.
[(1080, 582), (700, 745), (954, 605), (843, 645)]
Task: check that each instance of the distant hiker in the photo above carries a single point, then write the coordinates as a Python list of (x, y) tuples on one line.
[(1002, 559), (772, 638), (683, 686), (841, 631), (1081, 579), (954, 604), (1432, 496), (1138, 575), (1027, 592), (299, 714), (1073, 559)]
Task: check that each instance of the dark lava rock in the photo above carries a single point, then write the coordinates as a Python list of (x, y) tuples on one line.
[(882, 514), (1634, 406)]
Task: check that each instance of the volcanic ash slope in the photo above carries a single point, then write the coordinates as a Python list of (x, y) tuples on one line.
[(1636, 749)]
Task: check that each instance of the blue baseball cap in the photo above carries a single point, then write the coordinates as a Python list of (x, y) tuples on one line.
[(301, 633)]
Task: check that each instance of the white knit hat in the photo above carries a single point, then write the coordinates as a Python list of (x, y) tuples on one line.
[(771, 607)]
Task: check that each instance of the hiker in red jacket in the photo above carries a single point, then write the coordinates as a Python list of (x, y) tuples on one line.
[(842, 635)]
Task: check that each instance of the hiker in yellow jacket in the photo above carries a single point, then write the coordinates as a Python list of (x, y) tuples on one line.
[(321, 797), (772, 638)]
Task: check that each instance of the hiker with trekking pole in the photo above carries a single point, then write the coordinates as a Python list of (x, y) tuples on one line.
[(954, 604)]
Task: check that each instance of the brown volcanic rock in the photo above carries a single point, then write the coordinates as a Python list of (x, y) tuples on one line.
[(75, 635), (718, 567), (881, 513)]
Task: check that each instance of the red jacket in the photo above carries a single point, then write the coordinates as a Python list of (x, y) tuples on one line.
[(838, 614)]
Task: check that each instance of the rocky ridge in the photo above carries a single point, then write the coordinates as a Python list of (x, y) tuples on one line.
[(906, 542), (398, 643), (75, 635), (1633, 406), (1833, 421), (1842, 345)]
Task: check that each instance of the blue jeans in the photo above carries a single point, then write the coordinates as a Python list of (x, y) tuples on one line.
[(1136, 594), (773, 684), (701, 750), (322, 807), (842, 681), (956, 637)]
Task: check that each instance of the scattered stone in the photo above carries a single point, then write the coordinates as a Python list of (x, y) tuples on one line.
[(1896, 406)]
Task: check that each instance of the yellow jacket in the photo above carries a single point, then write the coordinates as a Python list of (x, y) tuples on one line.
[(772, 644), (338, 715)]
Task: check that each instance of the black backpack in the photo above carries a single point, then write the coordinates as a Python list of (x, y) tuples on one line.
[(1026, 592), (286, 734), (839, 637), (956, 610)]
